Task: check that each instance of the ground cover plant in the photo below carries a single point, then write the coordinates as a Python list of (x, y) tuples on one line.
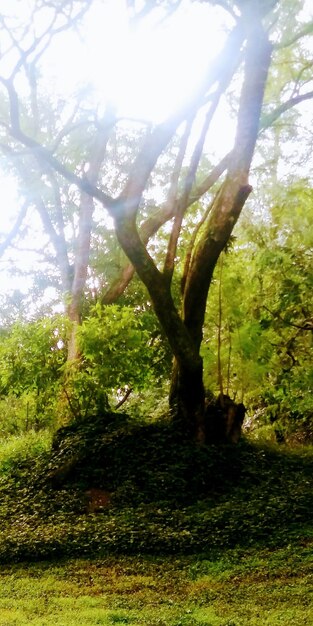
[(165, 498)]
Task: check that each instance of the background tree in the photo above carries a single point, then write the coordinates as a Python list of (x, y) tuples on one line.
[(247, 54)]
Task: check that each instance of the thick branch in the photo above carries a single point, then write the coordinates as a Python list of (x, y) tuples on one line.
[(163, 304), (235, 190), (82, 251), (155, 221), (191, 174), (158, 139)]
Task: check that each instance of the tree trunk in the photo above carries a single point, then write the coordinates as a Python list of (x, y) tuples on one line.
[(187, 400), (187, 391), (82, 251)]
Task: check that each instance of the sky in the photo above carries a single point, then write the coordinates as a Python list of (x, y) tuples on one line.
[(146, 72)]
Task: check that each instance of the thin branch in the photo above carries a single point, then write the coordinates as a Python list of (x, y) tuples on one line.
[(47, 35), (195, 160), (269, 118), (306, 30), (16, 228), (45, 157), (307, 324), (57, 239), (125, 397), (182, 205), (172, 195), (172, 203), (189, 180)]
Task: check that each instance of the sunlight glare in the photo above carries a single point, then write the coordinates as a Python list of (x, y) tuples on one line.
[(148, 70), (151, 69)]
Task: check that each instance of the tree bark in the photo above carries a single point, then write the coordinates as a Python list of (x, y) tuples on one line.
[(233, 194), (222, 218), (82, 252)]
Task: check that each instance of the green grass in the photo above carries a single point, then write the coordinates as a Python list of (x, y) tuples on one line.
[(236, 588), (19, 448)]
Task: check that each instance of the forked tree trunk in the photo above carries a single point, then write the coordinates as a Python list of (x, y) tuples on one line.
[(224, 214), (185, 334)]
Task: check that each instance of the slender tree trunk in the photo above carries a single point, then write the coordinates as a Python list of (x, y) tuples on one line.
[(80, 273), (219, 332), (82, 252)]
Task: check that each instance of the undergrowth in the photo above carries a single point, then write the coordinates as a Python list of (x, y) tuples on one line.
[(168, 496)]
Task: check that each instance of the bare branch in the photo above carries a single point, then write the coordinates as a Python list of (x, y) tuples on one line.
[(235, 190), (16, 228), (125, 397), (172, 205), (191, 245), (57, 238), (182, 205), (160, 217), (191, 174), (158, 139), (45, 156), (307, 324), (82, 252)]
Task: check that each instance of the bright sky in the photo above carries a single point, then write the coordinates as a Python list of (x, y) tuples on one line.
[(147, 72)]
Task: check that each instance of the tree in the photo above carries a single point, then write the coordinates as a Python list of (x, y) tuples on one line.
[(248, 54)]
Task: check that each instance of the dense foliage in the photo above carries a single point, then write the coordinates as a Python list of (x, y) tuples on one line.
[(257, 339)]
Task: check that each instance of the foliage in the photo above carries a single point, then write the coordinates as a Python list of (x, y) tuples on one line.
[(123, 346), (31, 359), (266, 320), (121, 351)]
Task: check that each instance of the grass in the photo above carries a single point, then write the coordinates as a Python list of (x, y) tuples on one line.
[(236, 588), (18, 448)]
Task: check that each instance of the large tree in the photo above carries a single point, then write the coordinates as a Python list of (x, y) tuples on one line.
[(249, 55)]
